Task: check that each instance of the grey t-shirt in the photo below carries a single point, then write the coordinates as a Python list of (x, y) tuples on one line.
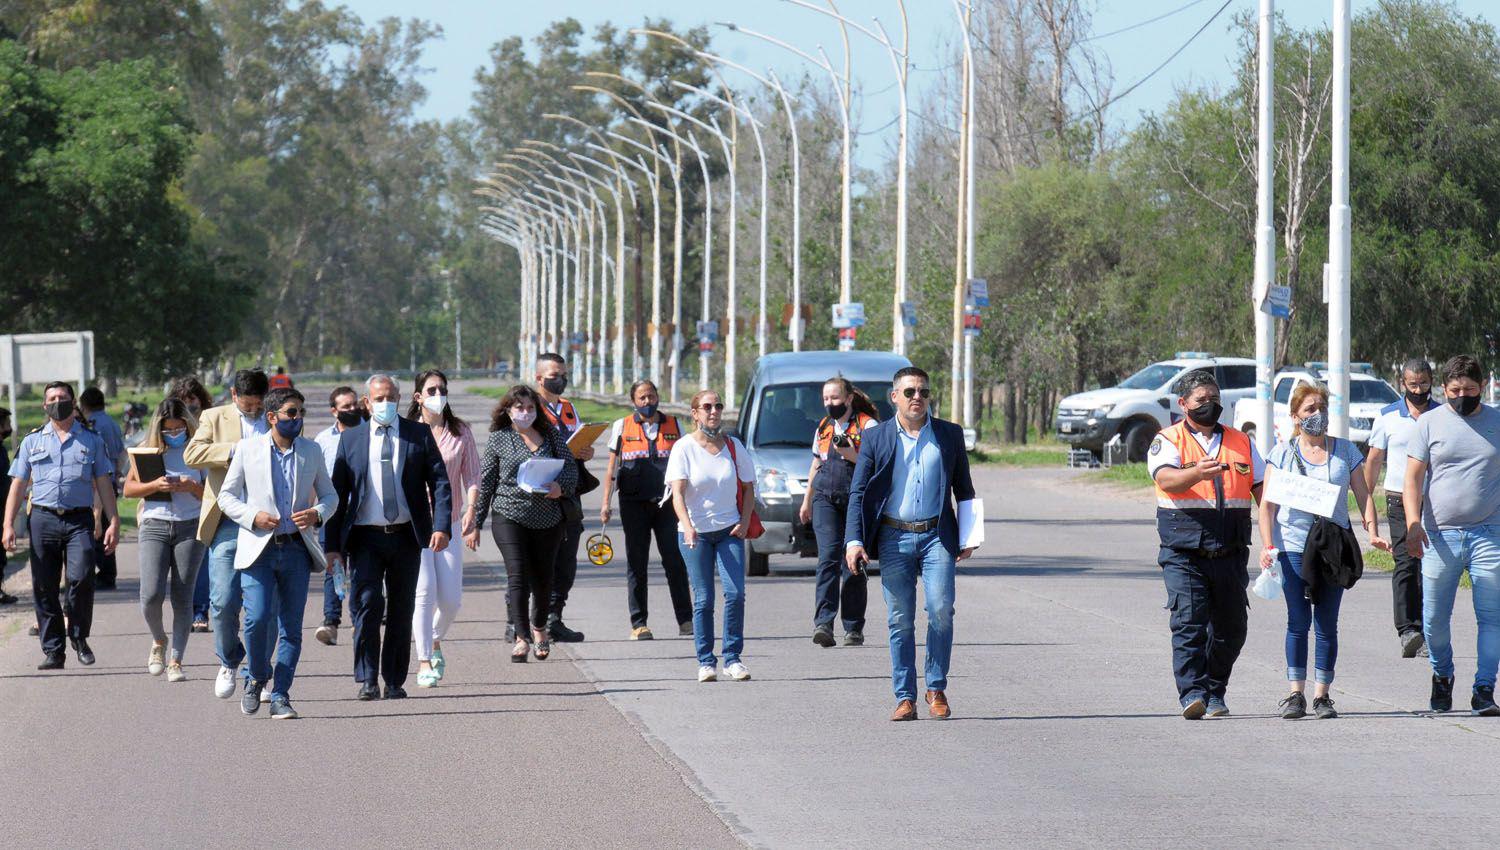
[(1462, 454)]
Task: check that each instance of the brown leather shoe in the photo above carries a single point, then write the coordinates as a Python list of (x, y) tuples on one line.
[(937, 705), (905, 710)]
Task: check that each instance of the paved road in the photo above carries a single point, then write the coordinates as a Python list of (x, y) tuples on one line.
[(1064, 731)]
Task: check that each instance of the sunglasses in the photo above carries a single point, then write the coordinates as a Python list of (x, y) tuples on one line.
[(173, 432), (290, 413), (436, 389), (924, 392), (718, 405)]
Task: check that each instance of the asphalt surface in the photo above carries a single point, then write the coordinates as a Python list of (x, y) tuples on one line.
[(1064, 732)]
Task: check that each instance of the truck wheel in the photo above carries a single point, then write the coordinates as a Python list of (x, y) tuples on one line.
[(1138, 441), (756, 564)]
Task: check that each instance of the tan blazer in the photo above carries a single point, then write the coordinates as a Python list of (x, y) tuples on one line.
[(211, 449)]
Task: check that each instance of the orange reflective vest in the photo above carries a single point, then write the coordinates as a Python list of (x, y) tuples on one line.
[(566, 420), (634, 445), (1212, 514), (857, 424), (280, 382), (835, 473)]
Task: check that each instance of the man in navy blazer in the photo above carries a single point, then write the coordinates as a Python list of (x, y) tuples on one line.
[(901, 513), (391, 481)]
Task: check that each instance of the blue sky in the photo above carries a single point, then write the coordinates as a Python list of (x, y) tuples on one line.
[(472, 26)]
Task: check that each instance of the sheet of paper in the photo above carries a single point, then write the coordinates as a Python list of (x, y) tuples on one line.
[(585, 436), (535, 474), (970, 524), (1301, 492)]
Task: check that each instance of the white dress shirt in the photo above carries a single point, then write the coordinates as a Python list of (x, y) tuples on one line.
[(372, 507)]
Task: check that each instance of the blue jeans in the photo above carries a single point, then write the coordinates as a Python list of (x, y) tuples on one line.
[(224, 597), (903, 556), (333, 606), (200, 589), (275, 589), (1476, 549), (729, 553), (1322, 614)]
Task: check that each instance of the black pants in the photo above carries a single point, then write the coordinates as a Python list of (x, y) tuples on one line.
[(1210, 615), (1406, 579), (108, 570), (838, 590), (564, 568), (392, 562), (530, 554), (643, 520), (58, 545)]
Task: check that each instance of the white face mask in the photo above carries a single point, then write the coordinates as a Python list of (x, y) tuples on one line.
[(435, 404), (522, 419), (383, 412)]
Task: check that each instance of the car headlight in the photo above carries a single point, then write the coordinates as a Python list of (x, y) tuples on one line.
[(1102, 411), (772, 482)]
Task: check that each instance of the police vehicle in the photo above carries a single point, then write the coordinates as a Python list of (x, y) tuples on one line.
[(1367, 395), (1145, 403)]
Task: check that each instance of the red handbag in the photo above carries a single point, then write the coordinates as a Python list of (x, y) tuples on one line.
[(756, 529)]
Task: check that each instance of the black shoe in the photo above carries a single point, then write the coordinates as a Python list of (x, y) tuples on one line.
[(200, 626), (1442, 694), (7, 599), (1411, 643), (55, 661), (1294, 707), (281, 709), (367, 692), (250, 701), (395, 692), (85, 655), (34, 630), (823, 636), (1323, 708), (1483, 701), (560, 633)]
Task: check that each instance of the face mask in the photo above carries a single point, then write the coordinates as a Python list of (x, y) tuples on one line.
[(5, 435), (1464, 404), (435, 404), (289, 428), (836, 411), (1315, 425), (383, 412), (195, 410), (175, 441), (712, 433), (1206, 414), (522, 419), (556, 385), (57, 411), (349, 418), (1419, 399), (646, 411)]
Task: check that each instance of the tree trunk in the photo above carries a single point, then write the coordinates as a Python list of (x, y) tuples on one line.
[(1010, 413)]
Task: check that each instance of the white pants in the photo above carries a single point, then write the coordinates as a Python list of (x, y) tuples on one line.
[(440, 592)]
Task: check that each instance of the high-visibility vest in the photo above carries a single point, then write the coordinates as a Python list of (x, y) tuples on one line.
[(826, 429), (566, 421), (280, 382), (835, 473), (642, 473), (1215, 513)]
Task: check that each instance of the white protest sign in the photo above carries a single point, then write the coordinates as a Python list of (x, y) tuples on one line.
[(1301, 492)]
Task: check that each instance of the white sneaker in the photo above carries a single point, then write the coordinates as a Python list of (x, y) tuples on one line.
[(737, 672), (706, 673), (265, 693), (224, 683), (157, 664), (174, 673)]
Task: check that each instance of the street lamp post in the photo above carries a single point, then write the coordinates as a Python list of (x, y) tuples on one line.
[(1265, 234), (1338, 231)]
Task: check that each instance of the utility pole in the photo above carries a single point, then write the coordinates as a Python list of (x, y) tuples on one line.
[(1338, 232), (1265, 235)]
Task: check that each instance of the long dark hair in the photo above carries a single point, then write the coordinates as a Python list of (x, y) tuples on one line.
[(858, 401), (451, 420), (189, 388), (500, 418)]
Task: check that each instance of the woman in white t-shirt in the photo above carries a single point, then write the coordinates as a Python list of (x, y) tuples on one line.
[(713, 493)]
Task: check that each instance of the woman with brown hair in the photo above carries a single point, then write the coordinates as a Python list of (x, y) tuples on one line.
[(528, 524)]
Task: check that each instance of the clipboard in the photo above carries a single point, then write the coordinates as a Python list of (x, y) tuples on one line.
[(150, 464), (585, 436)]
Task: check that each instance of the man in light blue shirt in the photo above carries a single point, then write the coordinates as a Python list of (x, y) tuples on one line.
[(343, 404), (914, 476), (91, 411)]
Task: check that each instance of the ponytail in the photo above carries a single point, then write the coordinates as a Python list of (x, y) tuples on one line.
[(859, 401)]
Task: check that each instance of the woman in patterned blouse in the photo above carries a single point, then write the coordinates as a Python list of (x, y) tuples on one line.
[(528, 525)]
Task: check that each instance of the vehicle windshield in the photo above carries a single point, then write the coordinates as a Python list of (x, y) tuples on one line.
[(1150, 378), (789, 413), (1371, 392)]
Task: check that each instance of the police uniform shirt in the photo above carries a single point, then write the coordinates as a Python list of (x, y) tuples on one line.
[(1164, 454), (62, 471), (1393, 430)]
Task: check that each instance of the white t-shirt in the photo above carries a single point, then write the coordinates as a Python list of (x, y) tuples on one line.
[(711, 482)]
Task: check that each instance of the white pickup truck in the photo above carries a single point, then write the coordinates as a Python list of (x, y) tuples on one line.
[(1367, 395)]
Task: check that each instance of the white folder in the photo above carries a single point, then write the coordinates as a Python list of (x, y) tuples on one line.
[(970, 524)]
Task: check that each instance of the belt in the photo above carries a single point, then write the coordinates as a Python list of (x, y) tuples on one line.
[(63, 512), (1217, 553), (914, 527), (400, 528), (286, 539)]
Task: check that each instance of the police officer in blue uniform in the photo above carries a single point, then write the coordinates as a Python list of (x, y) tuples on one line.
[(5, 429), (65, 466)]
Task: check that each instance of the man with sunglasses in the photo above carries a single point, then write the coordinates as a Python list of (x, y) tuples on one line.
[(912, 472), (279, 493)]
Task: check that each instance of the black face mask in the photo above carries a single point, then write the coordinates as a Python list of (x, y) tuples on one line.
[(349, 418), (1464, 404), (59, 410), (5, 434), (1419, 399), (1206, 414), (556, 385), (837, 411)]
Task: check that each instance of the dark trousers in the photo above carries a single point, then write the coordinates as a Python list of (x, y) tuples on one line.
[(837, 589), (391, 561), (108, 571), (1210, 615), (1406, 579), (564, 568), (530, 555), (333, 606), (643, 520), (58, 545)]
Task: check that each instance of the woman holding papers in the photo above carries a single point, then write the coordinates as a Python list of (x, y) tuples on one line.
[(1312, 454), (440, 583), (529, 519), (171, 497)]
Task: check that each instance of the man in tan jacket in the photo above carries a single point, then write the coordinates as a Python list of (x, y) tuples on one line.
[(220, 430)]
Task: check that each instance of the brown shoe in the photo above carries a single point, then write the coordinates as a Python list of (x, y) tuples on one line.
[(937, 705), (905, 710)]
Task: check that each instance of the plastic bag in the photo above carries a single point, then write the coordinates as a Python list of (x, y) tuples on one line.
[(1268, 586)]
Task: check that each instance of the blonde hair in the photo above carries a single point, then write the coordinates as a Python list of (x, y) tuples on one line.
[(170, 408), (698, 396), (1299, 395)]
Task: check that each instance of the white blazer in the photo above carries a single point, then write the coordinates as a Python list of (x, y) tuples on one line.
[(248, 490)]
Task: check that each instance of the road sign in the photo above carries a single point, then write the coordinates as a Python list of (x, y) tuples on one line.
[(979, 292), (848, 338), (42, 358), (973, 321), (850, 315), (908, 314), (708, 331), (1278, 301)]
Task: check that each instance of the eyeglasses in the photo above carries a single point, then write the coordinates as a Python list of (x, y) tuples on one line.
[(924, 392), (290, 413), (436, 389), (718, 405), (173, 432)]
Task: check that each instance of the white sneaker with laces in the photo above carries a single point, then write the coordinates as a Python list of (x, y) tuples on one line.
[(265, 693), (157, 663), (737, 672), (706, 673), (224, 683)]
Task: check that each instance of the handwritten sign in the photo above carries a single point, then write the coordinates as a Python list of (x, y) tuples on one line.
[(1301, 492)]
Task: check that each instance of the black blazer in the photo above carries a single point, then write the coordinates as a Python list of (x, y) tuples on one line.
[(871, 486), (424, 480)]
